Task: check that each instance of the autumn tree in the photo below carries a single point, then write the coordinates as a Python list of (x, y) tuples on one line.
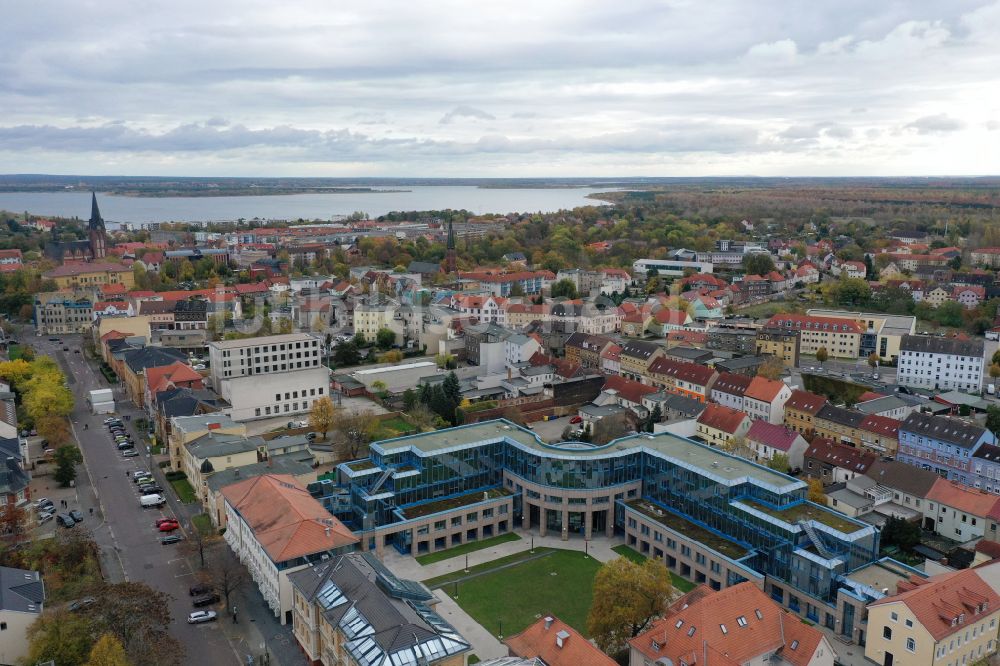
[(821, 355), (391, 356), (67, 458), (994, 370), (772, 368), (816, 492), (564, 288), (627, 597), (107, 651), (59, 636), (873, 360), (138, 616), (614, 426), (779, 462), (321, 415), (355, 430), (53, 429), (13, 525), (758, 263)]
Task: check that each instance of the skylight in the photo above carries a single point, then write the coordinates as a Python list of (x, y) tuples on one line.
[(741, 620)]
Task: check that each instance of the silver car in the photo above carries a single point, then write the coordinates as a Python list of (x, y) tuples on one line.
[(198, 617)]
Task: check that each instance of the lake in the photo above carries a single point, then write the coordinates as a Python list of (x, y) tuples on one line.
[(294, 206)]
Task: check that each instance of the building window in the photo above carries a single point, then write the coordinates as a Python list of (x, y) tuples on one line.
[(911, 645), (887, 633)]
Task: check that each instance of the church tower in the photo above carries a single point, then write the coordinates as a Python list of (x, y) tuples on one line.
[(95, 232), (450, 260)]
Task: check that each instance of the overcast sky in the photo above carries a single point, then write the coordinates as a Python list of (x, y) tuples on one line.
[(507, 88)]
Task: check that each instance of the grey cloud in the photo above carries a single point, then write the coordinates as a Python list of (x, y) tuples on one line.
[(937, 124), (466, 112)]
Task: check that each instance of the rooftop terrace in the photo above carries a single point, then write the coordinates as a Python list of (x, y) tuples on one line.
[(689, 529), (804, 511), (449, 503), (683, 451)]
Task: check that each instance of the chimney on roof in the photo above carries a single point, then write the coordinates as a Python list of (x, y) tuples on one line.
[(327, 531), (548, 622)]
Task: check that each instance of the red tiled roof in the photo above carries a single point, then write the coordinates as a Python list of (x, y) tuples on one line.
[(694, 337), (841, 455), (731, 383), (807, 323), (869, 395), (255, 288), (285, 519), (69, 270), (804, 401), (730, 627), (776, 436), (881, 425), (764, 389), (938, 601), (629, 390), (721, 418), (539, 641), (970, 500), (671, 316)]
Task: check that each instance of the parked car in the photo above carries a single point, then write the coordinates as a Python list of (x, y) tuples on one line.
[(198, 617), (172, 538), (144, 479), (576, 419), (76, 515), (160, 521), (43, 503), (65, 520), (199, 589), (148, 488), (125, 445), (112, 419), (53, 339), (206, 600), (65, 348), (130, 453), (44, 517), (169, 526)]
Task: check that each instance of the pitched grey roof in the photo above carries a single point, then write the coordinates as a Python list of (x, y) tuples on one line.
[(295, 464), (152, 357), (639, 349), (951, 346), (21, 590), (424, 267), (216, 444), (683, 404), (943, 429), (13, 479), (882, 404), (385, 619), (841, 415), (902, 477)]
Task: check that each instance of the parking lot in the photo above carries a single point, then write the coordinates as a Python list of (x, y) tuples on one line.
[(551, 431)]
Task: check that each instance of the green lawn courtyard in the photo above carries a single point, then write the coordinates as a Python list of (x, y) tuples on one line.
[(556, 582), (682, 585), (466, 548)]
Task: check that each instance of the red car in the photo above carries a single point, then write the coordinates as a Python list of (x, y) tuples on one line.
[(576, 419), (169, 526), (160, 521)]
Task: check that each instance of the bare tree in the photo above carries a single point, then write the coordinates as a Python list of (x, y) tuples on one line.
[(614, 426), (198, 542), (227, 575), (355, 430)]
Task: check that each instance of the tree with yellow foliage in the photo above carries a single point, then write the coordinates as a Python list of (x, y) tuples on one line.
[(627, 597), (322, 415), (107, 651)]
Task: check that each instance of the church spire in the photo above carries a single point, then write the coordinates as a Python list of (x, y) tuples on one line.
[(451, 235), (96, 222)]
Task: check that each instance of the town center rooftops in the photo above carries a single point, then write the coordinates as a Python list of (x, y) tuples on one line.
[(704, 459)]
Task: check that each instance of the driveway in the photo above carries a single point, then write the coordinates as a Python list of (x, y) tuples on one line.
[(551, 431)]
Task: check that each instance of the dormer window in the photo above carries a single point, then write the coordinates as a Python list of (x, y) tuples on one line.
[(741, 620), (692, 630), (678, 624)]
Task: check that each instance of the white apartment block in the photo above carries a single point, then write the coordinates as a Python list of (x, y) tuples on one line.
[(292, 365), (940, 364)]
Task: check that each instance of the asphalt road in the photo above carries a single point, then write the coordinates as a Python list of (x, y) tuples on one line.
[(126, 531)]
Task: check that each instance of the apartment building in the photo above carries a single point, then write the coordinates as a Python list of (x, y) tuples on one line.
[(840, 337), (83, 275), (720, 426), (372, 315), (767, 440), (944, 620), (636, 357), (729, 389), (765, 399), (585, 349), (958, 512), (291, 363), (780, 343), (353, 611), (63, 316), (839, 424), (940, 364), (943, 445), (801, 409), (832, 462), (275, 528)]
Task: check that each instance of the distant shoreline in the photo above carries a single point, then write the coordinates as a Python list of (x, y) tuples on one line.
[(205, 193)]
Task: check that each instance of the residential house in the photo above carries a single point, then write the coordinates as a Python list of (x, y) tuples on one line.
[(636, 356), (729, 338), (970, 296), (720, 426), (14, 480), (780, 343), (839, 424), (687, 338), (937, 364), (880, 434), (958, 512), (611, 359), (946, 619), (908, 485), (485, 309), (835, 463), (985, 256), (729, 389), (897, 406), (765, 399), (734, 626), (556, 643), (138, 361), (614, 280), (627, 393), (801, 409), (352, 611), (768, 439), (585, 349), (519, 348), (839, 336), (275, 528), (22, 600), (176, 375), (942, 444)]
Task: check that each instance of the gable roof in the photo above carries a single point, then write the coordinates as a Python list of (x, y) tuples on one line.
[(938, 602), (881, 425), (542, 639), (840, 415), (840, 455), (804, 401), (970, 500), (776, 436), (944, 429), (764, 389), (626, 388), (720, 417), (21, 590), (285, 519), (639, 349), (902, 477), (732, 383)]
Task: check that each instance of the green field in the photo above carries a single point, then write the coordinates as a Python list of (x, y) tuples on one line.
[(465, 548), (561, 584), (397, 425), (185, 492), (681, 584)]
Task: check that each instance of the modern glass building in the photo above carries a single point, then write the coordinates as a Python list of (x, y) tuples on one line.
[(711, 517)]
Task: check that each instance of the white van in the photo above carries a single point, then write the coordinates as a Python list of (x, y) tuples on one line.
[(147, 501)]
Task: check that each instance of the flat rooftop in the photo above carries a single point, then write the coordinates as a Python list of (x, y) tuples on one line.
[(265, 340), (880, 575), (804, 511), (689, 529), (449, 503), (394, 368), (679, 450)]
